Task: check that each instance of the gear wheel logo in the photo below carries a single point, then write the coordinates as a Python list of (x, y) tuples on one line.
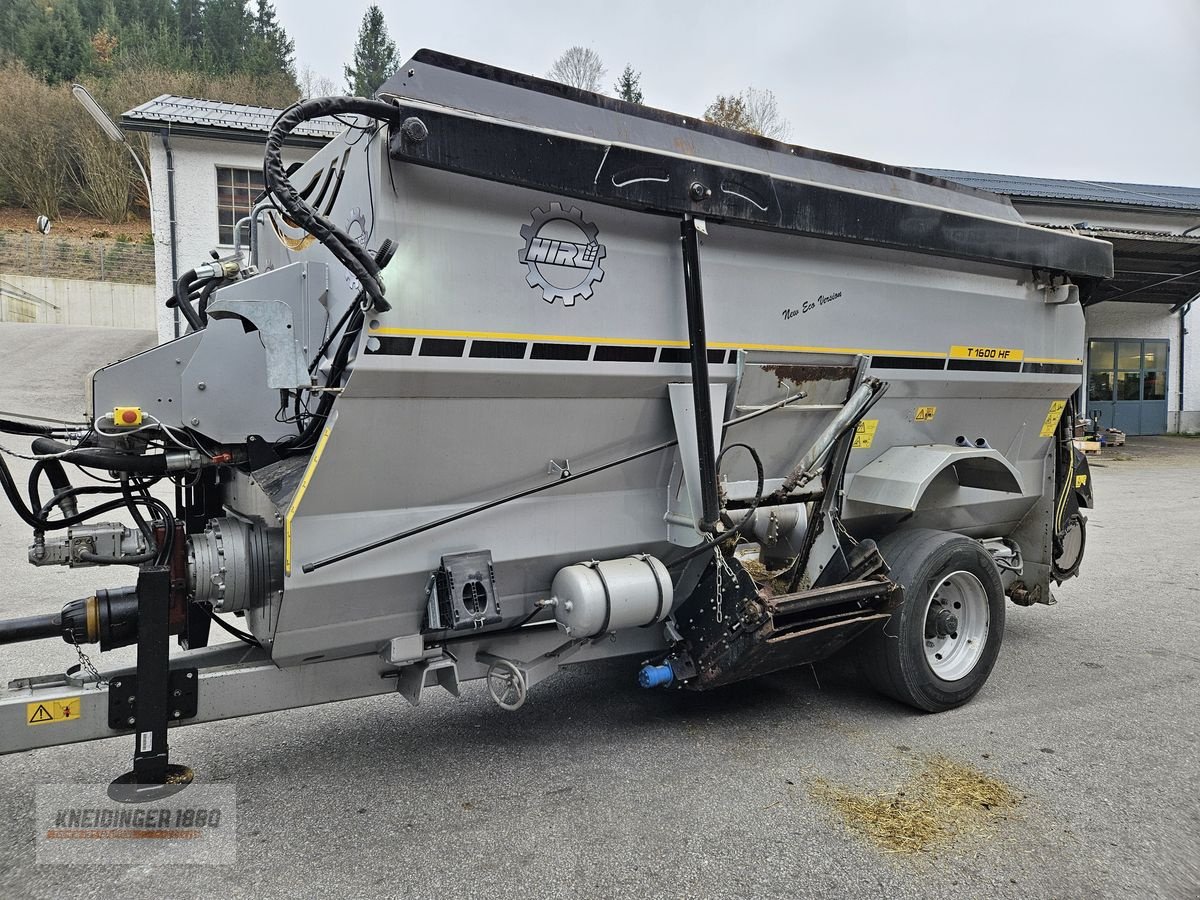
[(562, 254)]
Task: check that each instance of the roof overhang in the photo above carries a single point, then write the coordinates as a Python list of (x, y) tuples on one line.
[(215, 133), (1149, 268)]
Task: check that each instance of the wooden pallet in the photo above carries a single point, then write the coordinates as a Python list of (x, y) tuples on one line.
[(1089, 448)]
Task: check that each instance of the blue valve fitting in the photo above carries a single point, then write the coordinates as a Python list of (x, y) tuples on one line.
[(652, 676)]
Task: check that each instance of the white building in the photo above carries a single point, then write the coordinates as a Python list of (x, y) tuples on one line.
[(206, 161), (1143, 375)]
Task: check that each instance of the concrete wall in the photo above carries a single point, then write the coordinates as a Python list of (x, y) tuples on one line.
[(196, 163), (69, 301), (1189, 418)]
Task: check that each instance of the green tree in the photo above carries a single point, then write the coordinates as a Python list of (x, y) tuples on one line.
[(55, 44), (375, 57), (140, 47), (271, 50), (629, 86), (190, 22), (15, 18), (227, 29)]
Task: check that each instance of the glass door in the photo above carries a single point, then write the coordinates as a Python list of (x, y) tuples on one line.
[(1127, 384)]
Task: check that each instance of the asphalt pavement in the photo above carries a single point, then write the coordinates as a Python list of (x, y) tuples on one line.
[(597, 788)]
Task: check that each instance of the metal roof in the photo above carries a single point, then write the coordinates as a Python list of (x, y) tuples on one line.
[(212, 118), (1159, 196)]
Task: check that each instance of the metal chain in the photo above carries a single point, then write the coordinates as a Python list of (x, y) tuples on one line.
[(720, 599), (722, 566), (85, 662)]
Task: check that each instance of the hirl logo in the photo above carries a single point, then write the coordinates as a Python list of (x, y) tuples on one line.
[(562, 254)]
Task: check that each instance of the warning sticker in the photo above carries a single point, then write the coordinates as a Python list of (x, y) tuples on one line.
[(1052, 417), (47, 712), (925, 414), (864, 434), (997, 354)]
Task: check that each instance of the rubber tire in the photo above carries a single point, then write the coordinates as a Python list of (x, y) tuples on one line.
[(892, 655)]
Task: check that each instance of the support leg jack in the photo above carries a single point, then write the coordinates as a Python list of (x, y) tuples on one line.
[(153, 776)]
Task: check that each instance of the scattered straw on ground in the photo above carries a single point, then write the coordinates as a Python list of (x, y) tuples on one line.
[(945, 801)]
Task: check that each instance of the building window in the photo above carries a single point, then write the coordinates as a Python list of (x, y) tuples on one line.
[(1126, 370), (236, 191)]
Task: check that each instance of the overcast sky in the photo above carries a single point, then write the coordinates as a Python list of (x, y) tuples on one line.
[(1089, 89)]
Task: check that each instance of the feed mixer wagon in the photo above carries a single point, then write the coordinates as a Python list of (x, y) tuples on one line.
[(514, 376)]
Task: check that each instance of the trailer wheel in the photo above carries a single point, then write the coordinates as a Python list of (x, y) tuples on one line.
[(938, 648)]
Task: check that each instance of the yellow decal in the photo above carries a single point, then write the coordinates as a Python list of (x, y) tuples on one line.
[(291, 513), (864, 434), (993, 354), (1052, 417), (1080, 481), (925, 414), (50, 711)]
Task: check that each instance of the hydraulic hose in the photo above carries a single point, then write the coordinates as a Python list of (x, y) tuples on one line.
[(11, 426), (56, 474), (348, 252), (96, 458), (182, 299), (202, 303)]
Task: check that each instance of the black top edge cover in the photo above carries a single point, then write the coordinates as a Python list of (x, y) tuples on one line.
[(558, 139)]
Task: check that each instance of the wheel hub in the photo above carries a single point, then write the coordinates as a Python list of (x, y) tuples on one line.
[(945, 623), (957, 621)]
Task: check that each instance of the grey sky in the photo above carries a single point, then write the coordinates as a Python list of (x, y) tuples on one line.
[(1094, 89)]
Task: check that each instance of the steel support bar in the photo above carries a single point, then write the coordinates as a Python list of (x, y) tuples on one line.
[(153, 671), (235, 681), (701, 398)]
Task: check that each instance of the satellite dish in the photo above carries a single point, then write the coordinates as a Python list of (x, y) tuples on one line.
[(43, 224)]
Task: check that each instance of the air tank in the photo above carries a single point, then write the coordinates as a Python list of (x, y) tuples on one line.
[(594, 598)]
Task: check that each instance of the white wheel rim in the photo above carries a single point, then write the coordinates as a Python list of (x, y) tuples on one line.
[(957, 620)]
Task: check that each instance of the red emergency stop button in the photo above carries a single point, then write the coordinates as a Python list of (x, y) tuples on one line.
[(127, 416)]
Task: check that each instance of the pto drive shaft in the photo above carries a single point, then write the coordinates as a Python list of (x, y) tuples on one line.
[(110, 617)]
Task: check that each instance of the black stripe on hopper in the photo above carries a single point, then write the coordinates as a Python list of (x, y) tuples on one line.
[(1054, 368), (983, 365), (442, 347), (684, 355), (560, 351), (611, 353), (395, 346), (907, 362), (497, 349)]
